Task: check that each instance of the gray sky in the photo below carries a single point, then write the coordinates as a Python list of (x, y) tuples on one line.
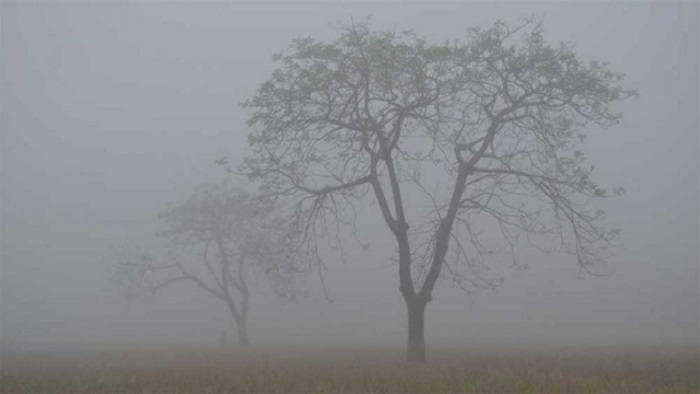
[(111, 110)]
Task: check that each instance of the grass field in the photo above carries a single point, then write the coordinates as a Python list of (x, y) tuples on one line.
[(196, 370)]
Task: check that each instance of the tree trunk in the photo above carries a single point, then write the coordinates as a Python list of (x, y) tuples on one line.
[(240, 320), (416, 334), (242, 332)]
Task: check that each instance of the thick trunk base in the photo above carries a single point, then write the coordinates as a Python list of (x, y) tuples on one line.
[(416, 333)]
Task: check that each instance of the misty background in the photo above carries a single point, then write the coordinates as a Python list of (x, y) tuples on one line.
[(110, 111)]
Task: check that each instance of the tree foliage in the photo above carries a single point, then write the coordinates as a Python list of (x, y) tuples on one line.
[(489, 128), (218, 239)]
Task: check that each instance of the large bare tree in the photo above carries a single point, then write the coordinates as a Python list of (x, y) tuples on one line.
[(445, 137), (217, 240)]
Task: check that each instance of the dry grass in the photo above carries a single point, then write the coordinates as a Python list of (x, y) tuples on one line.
[(346, 370)]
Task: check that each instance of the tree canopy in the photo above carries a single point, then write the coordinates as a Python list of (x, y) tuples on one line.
[(497, 119), (218, 239)]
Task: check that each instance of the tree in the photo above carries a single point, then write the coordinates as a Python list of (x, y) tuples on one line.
[(496, 120), (233, 236)]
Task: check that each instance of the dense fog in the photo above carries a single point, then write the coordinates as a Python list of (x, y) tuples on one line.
[(111, 111)]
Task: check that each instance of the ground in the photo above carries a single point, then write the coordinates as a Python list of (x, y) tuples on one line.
[(378, 370)]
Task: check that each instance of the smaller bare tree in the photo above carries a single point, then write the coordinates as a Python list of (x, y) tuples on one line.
[(217, 240)]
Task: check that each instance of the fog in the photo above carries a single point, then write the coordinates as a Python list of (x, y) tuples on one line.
[(110, 111)]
